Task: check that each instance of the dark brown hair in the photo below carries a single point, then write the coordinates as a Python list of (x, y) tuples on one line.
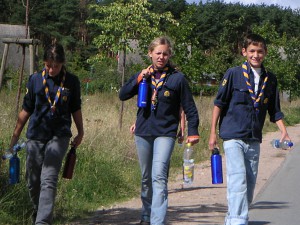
[(54, 52), (254, 39)]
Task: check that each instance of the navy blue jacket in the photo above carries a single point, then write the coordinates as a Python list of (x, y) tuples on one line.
[(165, 119), (42, 125), (238, 119)]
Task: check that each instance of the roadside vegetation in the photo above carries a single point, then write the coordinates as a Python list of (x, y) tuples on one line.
[(96, 34), (107, 169)]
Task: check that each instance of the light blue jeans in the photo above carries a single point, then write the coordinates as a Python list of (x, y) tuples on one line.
[(154, 155), (242, 160), (43, 163)]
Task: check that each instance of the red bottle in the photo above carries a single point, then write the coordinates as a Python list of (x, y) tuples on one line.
[(70, 164)]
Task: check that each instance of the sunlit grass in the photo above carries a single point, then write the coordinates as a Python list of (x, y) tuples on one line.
[(107, 169)]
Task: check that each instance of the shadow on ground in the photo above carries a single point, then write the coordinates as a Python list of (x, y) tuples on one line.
[(194, 214), (263, 205)]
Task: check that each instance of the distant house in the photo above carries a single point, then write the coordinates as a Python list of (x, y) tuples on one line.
[(209, 79), (133, 57), (14, 58)]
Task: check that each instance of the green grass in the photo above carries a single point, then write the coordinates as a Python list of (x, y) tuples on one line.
[(107, 169)]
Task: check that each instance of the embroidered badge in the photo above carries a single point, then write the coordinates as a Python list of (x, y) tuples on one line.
[(224, 82), (266, 100), (167, 94)]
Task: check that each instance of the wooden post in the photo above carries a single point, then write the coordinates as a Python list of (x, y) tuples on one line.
[(31, 59), (5, 53), (122, 83)]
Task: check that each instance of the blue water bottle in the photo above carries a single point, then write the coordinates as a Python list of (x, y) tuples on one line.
[(14, 169), (142, 94), (216, 167), (14, 161)]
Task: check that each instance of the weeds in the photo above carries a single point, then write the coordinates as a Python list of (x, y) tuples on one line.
[(107, 169)]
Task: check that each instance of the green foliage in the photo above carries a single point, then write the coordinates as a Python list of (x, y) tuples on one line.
[(121, 22), (283, 58), (204, 90), (207, 37), (107, 168)]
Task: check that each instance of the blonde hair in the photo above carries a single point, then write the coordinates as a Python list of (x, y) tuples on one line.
[(161, 41)]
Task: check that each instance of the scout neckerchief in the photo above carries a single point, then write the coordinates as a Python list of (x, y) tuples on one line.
[(255, 97), (156, 85), (52, 105)]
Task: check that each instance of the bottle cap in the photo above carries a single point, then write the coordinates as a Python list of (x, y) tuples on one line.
[(215, 151), (290, 144)]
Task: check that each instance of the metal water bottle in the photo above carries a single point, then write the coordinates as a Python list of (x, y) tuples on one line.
[(216, 167), (14, 161), (70, 164), (16, 148), (142, 94), (14, 169)]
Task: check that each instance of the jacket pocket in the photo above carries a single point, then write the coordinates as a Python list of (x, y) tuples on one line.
[(241, 96)]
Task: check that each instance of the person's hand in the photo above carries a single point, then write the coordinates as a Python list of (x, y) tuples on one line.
[(13, 142), (284, 137), (132, 128), (180, 137), (77, 141), (192, 139), (146, 72), (213, 142)]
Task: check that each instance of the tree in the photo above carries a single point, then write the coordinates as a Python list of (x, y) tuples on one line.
[(283, 57), (122, 22)]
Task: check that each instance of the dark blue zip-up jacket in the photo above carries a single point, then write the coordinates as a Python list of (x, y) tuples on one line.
[(238, 119), (42, 125), (165, 119)]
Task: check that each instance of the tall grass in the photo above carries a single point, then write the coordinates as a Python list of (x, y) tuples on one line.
[(107, 169)]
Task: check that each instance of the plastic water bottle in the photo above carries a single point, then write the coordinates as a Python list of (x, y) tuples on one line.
[(142, 94), (283, 145), (188, 165), (216, 167), (70, 164), (17, 147), (14, 169)]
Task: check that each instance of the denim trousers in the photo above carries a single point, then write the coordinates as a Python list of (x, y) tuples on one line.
[(242, 158), (154, 155), (43, 163)]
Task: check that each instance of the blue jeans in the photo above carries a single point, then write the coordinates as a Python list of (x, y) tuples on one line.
[(43, 163), (242, 159), (154, 155)]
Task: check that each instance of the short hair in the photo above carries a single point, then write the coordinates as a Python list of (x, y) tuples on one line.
[(54, 52), (254, 39)]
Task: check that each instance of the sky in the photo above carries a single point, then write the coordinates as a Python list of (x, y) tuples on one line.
[(293, 4)]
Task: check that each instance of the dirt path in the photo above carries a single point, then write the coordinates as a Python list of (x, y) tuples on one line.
[(203, 202)]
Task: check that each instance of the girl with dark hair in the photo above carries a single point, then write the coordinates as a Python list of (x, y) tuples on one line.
[(52, 99)]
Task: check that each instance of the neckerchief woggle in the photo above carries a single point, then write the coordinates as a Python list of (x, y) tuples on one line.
[(156, 86), (255, 97), (52, 105)]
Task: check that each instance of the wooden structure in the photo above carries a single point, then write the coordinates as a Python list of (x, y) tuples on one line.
[(33, 43)]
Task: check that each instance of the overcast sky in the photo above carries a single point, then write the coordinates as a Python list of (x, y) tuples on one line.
[(284, 3)]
